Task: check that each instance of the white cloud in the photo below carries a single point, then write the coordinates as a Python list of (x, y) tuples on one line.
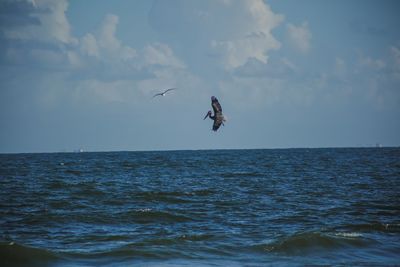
[(118, 65), (231, 31), (56, 23), (299, 37), (160, 54), (235, 53), (89, 45), (107, 38), (105, 45), (99, 66), (109, 43), (52, 24), (255, 40)]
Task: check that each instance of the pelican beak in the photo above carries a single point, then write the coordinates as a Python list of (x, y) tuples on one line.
[(208, 114)]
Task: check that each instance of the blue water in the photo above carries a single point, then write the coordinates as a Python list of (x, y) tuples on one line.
[(201, 208)]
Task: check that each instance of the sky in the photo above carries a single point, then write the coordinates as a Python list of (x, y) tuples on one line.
[(288, 74)]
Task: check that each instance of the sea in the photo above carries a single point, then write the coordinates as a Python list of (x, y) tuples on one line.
[(262, 207)]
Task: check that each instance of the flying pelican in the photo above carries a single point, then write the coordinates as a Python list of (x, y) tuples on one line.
[(218, 118), (163, 93)]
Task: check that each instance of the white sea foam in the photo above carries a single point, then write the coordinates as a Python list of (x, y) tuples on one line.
[(351, 234), (144, 210)]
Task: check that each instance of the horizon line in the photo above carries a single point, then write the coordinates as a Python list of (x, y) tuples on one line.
[(199, 149)]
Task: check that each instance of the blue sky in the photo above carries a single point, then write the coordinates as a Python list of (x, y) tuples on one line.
[(81, 74)]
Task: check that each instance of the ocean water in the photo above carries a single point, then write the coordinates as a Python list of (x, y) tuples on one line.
[(284, 207)]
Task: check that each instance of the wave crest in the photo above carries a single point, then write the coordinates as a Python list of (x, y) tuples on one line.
[(13, 254), (316, 242)]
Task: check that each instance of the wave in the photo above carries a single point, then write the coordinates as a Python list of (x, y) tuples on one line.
[(305, 243), (57, 184), (371, 227), (241, 174), (179, 239), (73, 172), (173, 197), (13, 254), (151, 216)]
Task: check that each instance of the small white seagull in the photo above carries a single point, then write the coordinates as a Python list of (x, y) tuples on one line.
[(163, 93)]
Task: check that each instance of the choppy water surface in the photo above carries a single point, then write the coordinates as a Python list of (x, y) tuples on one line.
[(186, 208)]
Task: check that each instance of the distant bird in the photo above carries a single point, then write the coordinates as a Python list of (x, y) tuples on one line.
[(163, 93), (218, 117)]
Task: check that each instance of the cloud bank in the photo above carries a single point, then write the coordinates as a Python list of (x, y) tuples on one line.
[(38, 34), (231, 39)]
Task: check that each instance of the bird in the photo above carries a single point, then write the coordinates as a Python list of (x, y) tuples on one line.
[(218, 117), (163, 93)]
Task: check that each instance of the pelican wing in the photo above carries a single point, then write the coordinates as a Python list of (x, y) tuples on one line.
[(170, 89), (216, 106), (219, 119)]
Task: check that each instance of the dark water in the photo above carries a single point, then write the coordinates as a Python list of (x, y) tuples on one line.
[(201, 208)]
